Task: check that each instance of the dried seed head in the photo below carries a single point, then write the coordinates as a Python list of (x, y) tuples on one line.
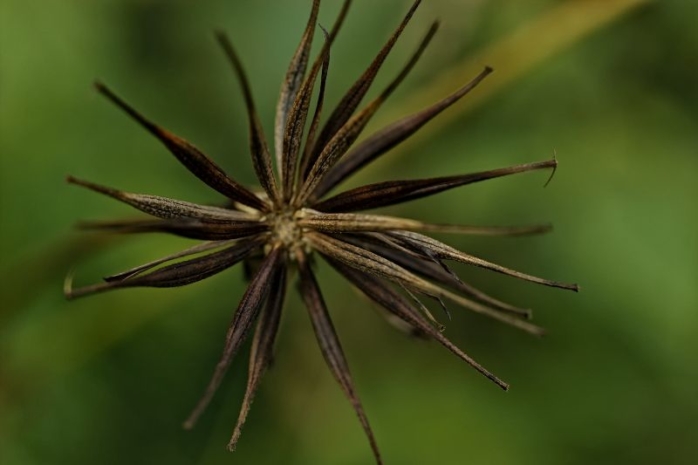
[(385, 258)]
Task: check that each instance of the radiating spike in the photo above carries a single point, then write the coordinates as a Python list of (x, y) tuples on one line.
[(364, 222), (330, 346), (351, 100), (388, 193), (439, 249), (191, 229), (163, 207), (312, 154), (179, 274), (324, 157), (192, 158), (399, 306), (245, 316), (373, 264), (262, 351), (315, 123), (292, 84), (429, 269), (197, 249), (261, 158), (390, 136), (295, 127)]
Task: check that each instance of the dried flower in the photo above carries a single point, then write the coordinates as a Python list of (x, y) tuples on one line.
[(283, 227)]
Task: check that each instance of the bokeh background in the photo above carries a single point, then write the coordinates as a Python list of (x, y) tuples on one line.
[(609, 85)]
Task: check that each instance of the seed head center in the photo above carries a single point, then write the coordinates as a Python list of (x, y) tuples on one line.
[(286, 229)]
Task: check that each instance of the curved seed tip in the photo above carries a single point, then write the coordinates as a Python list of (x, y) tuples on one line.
[(488, 70), (189, 424), (324, 31), (554, 166), (71, 293)]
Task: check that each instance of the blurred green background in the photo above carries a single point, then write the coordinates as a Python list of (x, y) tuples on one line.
[(109, 379)]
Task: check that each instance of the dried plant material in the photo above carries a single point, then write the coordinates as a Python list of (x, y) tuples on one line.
[(261, 158), (386, 139), (351, 100), (199, 164), (246, 314), (329, 343), (556, 29), (384, 194), (262, 351), (284, 226), (291, 86)]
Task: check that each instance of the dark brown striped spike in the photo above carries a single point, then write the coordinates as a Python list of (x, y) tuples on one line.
[(367, 113), (261, 158), (388, 193), (387, 138), (329, 344), (246, 314), (192, 158), (291, 86), (351, 100)]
